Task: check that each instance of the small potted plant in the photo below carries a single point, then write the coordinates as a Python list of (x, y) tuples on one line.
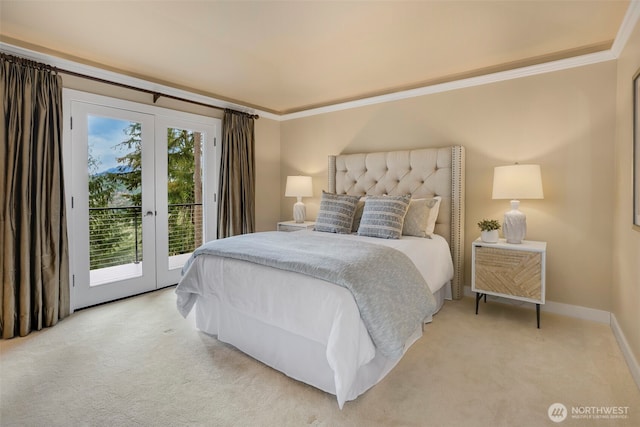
[(489, 230)]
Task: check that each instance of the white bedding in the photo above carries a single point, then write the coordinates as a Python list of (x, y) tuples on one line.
[(307, 328)]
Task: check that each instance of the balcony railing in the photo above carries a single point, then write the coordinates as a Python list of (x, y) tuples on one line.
[(115, 234), (185, 228)]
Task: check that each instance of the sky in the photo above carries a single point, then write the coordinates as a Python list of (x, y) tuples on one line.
[(105, 134)]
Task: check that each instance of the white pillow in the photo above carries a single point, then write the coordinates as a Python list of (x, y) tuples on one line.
[(358, 215), (421, 217)]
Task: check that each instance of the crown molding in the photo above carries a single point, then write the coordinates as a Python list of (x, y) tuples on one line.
[(135, 82), (548, 67), (631, 18), (626, 28)]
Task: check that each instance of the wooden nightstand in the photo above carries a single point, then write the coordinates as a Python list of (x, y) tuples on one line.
[(515, 271), (295, 226)]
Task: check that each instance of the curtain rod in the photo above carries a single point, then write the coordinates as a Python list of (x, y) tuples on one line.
[(28, 62), (156, 95)]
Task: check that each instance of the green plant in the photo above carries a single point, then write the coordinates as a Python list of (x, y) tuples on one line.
[(489, 225)]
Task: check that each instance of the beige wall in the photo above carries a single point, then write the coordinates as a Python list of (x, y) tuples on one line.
[(626, 239), (267, 174), (267, 134), (565, 121)]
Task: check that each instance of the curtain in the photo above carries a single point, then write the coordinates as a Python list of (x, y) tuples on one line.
[(236, 204), (33, 231)]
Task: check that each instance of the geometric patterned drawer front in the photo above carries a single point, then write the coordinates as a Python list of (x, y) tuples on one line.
[(509, 272)]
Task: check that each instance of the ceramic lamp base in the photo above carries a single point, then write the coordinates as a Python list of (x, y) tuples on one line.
[(299, 212), (514, 227)]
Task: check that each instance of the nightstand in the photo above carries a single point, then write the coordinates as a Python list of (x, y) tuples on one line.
[(295, 226), (515, 271)]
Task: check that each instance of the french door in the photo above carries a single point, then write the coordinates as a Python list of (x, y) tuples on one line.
[(186, 184), (142, 194)]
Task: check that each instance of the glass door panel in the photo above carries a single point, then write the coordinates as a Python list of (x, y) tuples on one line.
[(184, 194), (113, 203), (184, 206), (115, 198)]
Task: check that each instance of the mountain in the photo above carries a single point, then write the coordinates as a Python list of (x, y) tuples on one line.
[(116, 170)]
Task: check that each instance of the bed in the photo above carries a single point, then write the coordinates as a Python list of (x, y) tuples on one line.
[(311, 329)]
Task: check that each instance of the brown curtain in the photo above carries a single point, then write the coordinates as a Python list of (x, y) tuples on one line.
[(236, 204), (33, 230)]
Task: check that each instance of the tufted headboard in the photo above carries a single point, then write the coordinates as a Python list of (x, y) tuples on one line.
[(422, 173)]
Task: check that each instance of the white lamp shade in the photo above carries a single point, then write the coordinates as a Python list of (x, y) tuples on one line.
[(298, 186), (517, 182)]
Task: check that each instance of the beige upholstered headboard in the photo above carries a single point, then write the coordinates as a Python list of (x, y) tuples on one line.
[(425, 172)]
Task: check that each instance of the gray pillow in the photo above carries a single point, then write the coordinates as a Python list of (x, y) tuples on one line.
[(383, 216), (336, 213)]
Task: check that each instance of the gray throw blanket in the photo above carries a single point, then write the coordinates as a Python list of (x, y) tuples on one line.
[(392, 296)]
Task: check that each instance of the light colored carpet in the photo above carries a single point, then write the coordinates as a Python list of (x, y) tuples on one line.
[(136, 362)]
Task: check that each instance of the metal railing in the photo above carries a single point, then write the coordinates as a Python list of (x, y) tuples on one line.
[(185, 227), (115, 234)]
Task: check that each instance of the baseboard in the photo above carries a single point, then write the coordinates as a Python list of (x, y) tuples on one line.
[(584, 313), (631, 360), (576, 311)]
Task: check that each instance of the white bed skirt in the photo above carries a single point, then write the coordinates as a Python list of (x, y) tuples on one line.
[(294, 355), (307, 328)]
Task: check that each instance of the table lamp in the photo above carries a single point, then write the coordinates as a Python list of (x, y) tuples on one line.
[(516, 182), (299, 186)]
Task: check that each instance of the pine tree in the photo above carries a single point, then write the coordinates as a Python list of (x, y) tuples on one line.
[(112, 230)]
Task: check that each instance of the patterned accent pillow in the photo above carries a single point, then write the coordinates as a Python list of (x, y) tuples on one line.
[(383, 216), (420, 220), (336, 213)]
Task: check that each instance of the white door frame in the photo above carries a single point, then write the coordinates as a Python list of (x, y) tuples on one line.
[(212, 128)]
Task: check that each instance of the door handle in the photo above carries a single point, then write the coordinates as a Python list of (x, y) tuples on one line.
[(149, 213)]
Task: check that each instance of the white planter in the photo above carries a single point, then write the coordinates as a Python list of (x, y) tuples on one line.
[(490, 236)]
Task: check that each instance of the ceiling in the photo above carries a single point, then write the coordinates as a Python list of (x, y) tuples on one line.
[(289, 56)]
